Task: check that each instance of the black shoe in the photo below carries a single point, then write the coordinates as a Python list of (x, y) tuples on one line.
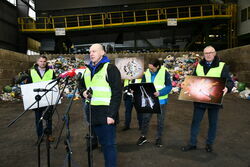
[(125, 128), (158, 142), (188, 148), (141, 141), (209, 148)]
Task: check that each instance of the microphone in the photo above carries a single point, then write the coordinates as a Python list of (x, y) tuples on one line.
[(41, 90), (89, 93), (55, 80), (71, 73), (79, 76)]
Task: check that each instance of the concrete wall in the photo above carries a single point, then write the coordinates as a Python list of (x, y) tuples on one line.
[(243, 27), (8, 26), (238, 60), (11, 64)]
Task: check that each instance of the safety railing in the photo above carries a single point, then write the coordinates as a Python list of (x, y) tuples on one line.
[(126, 18)]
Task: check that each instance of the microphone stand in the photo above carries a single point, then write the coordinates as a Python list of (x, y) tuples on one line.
[(37, 98), (66, 119), (46, 131), (89, 137)]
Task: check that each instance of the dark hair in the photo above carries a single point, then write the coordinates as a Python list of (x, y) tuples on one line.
[(42, 56), (155, 62)]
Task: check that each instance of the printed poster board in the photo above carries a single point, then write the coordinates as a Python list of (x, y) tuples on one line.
[(203, 89), (144, 99)]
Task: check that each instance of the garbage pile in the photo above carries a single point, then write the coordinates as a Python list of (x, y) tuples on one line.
[(59, 65), (179, 68)]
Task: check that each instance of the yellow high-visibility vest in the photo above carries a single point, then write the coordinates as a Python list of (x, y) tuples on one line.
[(48, 75), (127, 81), (101, 94), (213, 72), (159, 81)]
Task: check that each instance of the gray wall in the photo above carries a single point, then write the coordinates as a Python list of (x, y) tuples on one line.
[(238, 61), (10, 37), (243, 27), (8, 26)]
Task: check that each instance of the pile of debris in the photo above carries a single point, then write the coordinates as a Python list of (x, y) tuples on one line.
[(178, 67), (59, 65)]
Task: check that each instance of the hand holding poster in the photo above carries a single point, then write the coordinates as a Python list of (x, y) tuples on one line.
[(144, 99)]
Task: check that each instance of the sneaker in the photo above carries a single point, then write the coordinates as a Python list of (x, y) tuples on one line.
[(188, 148), (141, 141), (125, 128), (158, 142), (209, 148)]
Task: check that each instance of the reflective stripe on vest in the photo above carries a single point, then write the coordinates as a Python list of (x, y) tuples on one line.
[(213, 72), (101, 90), (159, 81), (48, 75)]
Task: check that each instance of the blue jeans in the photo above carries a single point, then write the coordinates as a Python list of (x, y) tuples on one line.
[(107, 138), (197, 118), (160, 122), (128, 112), (39, 126)]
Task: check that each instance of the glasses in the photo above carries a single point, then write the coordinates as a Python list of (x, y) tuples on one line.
[(208, 53)]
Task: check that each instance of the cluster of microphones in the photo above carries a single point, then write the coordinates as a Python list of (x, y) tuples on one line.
[(67, 74)]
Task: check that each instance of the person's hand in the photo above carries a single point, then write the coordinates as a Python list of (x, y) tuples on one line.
[(157, 94), (85, 95), (225, 90), (110, 121)]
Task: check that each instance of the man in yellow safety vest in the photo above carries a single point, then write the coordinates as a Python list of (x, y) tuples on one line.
[(210, 66), (41, 72), (103, 81), (159, 76)]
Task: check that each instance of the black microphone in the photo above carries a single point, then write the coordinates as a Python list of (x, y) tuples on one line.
[(89, 93), (55, 80), (79, 76), (41, 90)]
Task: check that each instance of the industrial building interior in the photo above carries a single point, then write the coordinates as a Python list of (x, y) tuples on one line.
[(129, 34)]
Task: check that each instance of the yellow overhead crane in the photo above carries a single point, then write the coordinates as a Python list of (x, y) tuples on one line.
[(134, 17)]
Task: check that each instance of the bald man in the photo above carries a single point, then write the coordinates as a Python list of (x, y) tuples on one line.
[(210, 66), (102, 82)]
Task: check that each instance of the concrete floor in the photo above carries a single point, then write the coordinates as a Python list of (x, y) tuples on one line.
[(232, 148)]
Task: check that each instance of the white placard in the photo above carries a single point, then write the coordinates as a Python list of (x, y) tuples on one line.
[(60, 32), (29, 95), (172, 22)]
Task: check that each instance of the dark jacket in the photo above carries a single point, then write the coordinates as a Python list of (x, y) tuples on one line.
[(224, 74), (29, 79), (100, 113)]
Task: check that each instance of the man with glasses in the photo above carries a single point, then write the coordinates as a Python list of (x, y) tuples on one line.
[(210, 66)]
